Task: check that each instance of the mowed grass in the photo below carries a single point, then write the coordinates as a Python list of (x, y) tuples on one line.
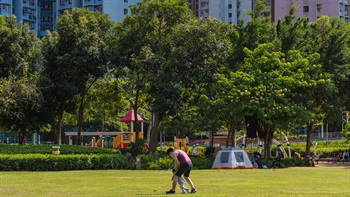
[(306, 181)]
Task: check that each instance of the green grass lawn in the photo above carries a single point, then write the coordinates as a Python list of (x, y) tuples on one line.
[(307, 181)]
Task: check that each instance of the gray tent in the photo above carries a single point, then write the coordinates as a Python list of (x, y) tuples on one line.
[(232, 158)]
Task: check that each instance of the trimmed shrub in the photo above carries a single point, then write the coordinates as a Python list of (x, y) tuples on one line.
[(162, 163), (47, 149), (288, 162), (41, 162), (202, 162)]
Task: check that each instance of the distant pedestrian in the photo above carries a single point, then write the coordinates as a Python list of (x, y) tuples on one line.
[(340, 154), (194, 150), (346, 155)]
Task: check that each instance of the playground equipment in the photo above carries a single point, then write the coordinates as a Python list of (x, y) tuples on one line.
[(181, 143), (242, 145), (123, 139), (288, 144), (279, 145), (260, 144)]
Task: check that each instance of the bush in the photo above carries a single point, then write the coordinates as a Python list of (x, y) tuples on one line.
[(164, 162), (209, 151), (288, 162), (137, 148), (47, 149), (202, 162), (41, 162)]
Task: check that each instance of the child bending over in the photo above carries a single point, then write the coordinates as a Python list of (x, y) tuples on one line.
[(181, 182)]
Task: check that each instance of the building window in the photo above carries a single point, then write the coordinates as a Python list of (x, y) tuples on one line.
[(229, 6), (125, 11), (125, 1), (230, 15), (306, 9)]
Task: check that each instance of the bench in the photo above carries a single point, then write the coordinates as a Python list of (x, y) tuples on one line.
[(328, 159)]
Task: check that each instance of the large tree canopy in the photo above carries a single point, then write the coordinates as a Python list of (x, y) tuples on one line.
[(75, 57), (19, 95)]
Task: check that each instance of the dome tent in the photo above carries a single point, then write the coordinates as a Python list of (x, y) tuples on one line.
[(232, 158)]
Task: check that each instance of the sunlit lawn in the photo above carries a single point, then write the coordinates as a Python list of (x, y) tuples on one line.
[(306, 181)]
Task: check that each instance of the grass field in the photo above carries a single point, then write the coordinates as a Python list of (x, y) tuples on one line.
[(307, 181)]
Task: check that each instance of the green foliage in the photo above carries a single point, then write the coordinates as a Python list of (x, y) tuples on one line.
[(41, 162), (209, 151), (288, 162), (161, 164), (20, 98), (346, 132), (293, 162), (47, 149), (164, 162), (137, 148), (202, 162)]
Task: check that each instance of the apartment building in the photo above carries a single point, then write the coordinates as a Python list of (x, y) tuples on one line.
[(6, 7), (311, 9), (228, 11), (41, 15)]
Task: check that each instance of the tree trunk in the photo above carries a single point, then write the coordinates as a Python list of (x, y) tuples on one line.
[(22, 137), (267, 142), (308, 138), (58, 127), (153, 143), (136, 123), (228, 138), (80, 118), (233, 130)]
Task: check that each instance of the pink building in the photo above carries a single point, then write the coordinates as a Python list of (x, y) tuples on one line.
[(311, 9)]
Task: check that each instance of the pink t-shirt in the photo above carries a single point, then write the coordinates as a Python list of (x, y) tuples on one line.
[(182, 157)]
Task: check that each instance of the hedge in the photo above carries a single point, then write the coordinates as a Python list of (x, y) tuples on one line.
[(42, 162), (47, 149), (164, 162)]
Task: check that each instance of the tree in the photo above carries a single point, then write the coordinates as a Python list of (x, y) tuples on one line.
[(75, 58), (106, 103), (330, 38), (148, 27), (20, 97), (346, 132), (293, 34), (273, 81), (257, 31)]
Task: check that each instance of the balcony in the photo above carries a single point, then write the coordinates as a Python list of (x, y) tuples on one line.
[(91, 2), (64, 4), (8, 2)]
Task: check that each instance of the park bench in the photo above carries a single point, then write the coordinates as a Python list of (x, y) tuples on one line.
[(328, 159)]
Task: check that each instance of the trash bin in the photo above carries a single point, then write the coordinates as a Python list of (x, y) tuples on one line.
[(55, 150)]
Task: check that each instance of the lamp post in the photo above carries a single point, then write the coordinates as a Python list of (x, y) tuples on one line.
[(327, 135)]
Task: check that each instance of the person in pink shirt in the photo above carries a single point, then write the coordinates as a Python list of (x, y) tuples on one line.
[(183, 166)]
